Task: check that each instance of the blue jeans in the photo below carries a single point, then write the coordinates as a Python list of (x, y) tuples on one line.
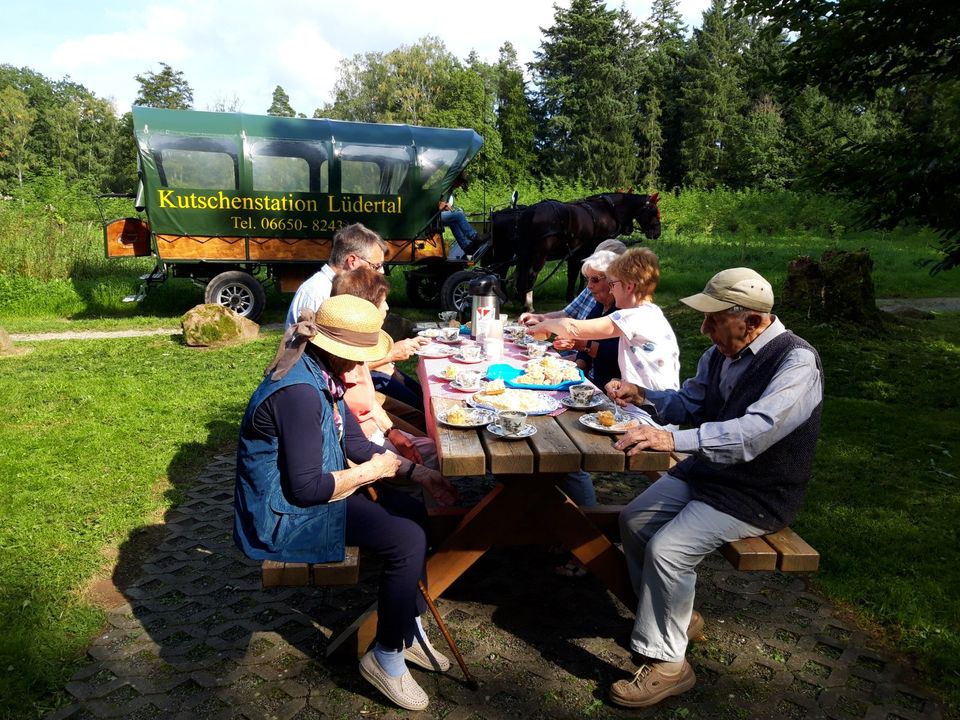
[(400, 387), (462, 230)]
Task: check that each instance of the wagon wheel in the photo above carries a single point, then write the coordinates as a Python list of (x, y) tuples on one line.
[(239, 291), (423, 289), (455, 294)]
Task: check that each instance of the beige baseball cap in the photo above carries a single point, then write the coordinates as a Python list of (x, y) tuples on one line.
[(736, 286)]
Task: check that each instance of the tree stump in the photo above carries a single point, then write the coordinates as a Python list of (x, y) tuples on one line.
[(838, 287)]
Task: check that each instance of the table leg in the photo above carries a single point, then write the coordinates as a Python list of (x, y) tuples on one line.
[(503, 507), (561, 517)]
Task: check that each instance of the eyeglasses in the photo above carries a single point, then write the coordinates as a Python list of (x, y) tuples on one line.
[(611, 283), (376, 266), (594, 279)]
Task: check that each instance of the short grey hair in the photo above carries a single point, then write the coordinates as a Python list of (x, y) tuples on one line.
[(600, 260), (614, 246), (356, 239)]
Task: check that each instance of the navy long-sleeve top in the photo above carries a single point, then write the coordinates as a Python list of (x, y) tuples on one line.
[(292, 415)]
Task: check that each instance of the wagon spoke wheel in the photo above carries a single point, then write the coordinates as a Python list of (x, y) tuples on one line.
[(455, 294), (239, 291)]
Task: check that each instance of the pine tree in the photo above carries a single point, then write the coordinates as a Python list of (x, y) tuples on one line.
[(515, 122), (586, 101), (165, 89), (281, 104), (662, 40), (712, 98)]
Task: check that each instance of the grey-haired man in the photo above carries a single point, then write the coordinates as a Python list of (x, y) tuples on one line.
[(755, 405)]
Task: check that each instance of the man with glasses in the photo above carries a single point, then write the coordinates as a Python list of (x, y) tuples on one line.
[(353, 246), (358, 246), (753, 416)]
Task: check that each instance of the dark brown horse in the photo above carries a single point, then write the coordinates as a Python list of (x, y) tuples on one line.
[(552, 230)]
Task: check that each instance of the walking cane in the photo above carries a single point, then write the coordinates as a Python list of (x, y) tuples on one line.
[(471, 681)]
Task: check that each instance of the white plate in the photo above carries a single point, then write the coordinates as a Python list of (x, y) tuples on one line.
[(456, 341), (476, 417), (545, 405), (594, 401), (436, 351), (431, 333), (525, 431), (461, 359), (590, 421), (454, 385)]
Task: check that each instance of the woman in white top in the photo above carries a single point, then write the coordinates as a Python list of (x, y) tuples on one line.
[(649, 355)]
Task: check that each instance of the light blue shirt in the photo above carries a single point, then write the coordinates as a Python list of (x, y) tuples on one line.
[(314, 291), (789, 399)]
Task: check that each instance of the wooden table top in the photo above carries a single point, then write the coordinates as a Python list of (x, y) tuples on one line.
[(560, 445)]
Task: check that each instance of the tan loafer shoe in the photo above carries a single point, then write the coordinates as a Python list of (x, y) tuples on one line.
[(403, 691), (695, 628), (649, 685), (427, 658)]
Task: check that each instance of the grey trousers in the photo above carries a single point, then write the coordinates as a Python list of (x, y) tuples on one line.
[(665, 535)]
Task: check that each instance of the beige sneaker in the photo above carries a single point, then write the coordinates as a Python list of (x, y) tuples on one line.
[(650, 685), (403, 690), (427, 657)]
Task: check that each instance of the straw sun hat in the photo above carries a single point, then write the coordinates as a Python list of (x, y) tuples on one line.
[(350, 327)]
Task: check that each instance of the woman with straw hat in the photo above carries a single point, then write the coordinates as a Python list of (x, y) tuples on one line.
[(297, 501)]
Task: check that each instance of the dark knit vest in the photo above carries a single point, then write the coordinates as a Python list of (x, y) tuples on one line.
[(768, 490)]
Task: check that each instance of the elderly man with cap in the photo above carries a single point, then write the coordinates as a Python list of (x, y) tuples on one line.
[(296, 499), (755, 405)]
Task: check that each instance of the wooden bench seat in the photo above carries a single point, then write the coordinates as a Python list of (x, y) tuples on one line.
[(280, 574), (783, 550)]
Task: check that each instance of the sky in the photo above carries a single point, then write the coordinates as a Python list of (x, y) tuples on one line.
[(241, 50)]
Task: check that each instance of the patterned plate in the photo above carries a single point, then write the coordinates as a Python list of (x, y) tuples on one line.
[(475, 417), (434, 350), (590, 421), (526, 430)]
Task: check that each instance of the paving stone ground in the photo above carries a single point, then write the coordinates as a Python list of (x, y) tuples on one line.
[(198, 638)]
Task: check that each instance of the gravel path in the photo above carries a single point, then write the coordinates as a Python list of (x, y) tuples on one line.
[(937, 304)]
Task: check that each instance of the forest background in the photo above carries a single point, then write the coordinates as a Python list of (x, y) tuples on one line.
[(772, 123), (859, 100)]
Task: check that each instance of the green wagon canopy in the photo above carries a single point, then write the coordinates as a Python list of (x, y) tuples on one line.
[(233, 175)]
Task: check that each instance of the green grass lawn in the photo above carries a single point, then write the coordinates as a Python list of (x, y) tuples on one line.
[(98, 436)]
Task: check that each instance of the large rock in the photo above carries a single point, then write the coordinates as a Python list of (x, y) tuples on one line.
[(7, 348), (216, 326)]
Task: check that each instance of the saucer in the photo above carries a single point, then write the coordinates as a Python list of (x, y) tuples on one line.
[(525, 431), (570, 403), (460, 358), (454, 385)]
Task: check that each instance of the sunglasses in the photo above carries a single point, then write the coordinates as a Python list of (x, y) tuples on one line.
[(594, 279)]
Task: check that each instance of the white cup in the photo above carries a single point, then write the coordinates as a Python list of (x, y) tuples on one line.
[(468, 378), (470, 352), (536, 350), (449, 333), (511, 421), (581, 394)]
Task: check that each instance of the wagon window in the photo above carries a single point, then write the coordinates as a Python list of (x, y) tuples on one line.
[(203, 163), (435, 164), (373, 169), (289, 166)]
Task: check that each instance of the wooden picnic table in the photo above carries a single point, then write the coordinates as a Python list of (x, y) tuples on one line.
[(524, 506)]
